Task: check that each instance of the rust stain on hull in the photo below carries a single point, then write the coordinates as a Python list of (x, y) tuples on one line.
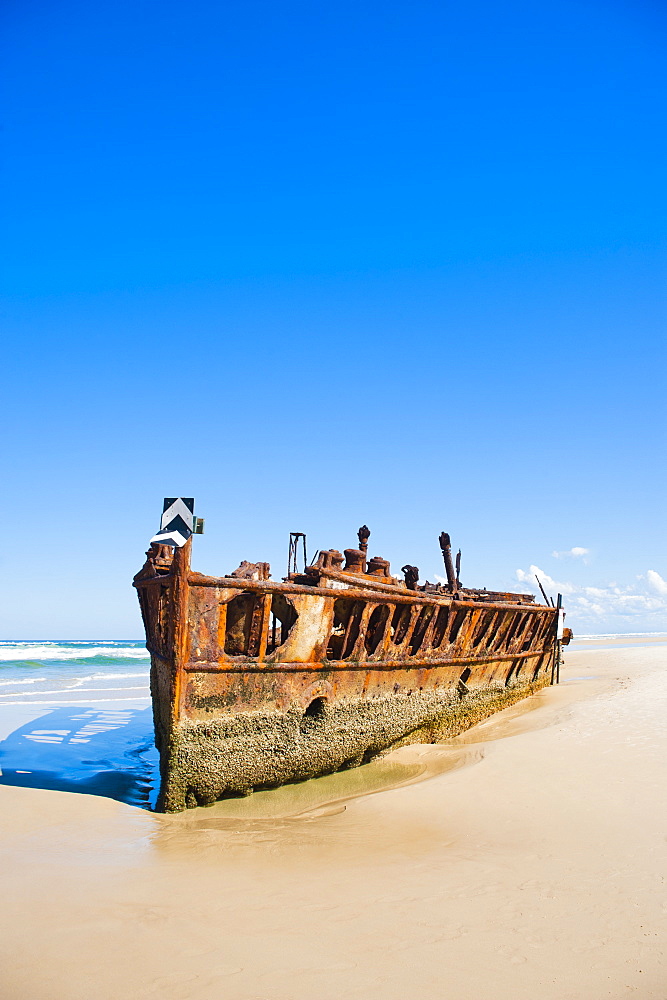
[(256, 683)]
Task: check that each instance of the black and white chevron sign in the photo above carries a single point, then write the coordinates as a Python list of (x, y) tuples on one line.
[(177, 522)]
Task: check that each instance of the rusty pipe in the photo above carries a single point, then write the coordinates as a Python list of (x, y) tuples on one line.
[(446, 547), (379, 593)]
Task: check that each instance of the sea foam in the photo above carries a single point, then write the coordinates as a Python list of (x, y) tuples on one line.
[(30, 652)]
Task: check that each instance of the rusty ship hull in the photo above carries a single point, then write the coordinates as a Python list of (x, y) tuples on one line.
[(256, 683)]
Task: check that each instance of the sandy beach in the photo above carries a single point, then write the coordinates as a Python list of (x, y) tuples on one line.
[(525, 859)]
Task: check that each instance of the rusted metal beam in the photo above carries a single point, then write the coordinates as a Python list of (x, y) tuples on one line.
[(397, 594), (539, 584), (379, 592), (180, 597), (341, 666), (446, 547)]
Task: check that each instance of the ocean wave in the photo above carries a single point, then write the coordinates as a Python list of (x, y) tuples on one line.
[(22, 664), (74, 690), (24, 680), (68, 701), (111, 677), (71, 642), (28, 653)]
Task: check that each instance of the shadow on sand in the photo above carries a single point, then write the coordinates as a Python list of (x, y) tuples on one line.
[(87, 750)]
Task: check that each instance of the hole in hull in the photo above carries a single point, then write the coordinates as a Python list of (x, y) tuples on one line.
[(376, 627), (419, 631), (283, 619), (462, 686), (314, 715), (399, 623), (440, 627), (345, 631), (459, 618)]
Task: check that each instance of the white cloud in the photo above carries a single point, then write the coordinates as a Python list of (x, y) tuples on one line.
[(547, 581), (577, 552), (640, 606), (657, 582), (593, 605)]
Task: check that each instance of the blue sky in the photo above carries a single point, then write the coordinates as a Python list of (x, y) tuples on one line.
[(394, 263)]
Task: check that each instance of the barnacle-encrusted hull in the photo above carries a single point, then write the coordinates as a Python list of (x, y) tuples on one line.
[(234, 754), (257, 683)]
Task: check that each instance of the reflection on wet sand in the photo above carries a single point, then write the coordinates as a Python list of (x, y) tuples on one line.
[(325, 796), (309, 823)]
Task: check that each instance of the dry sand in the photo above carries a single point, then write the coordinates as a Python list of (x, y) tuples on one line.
[(525, 859)]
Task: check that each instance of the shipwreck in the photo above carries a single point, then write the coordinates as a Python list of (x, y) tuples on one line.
[(257, 682)]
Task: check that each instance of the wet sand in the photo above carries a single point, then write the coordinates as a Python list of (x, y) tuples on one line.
[(524, 859)]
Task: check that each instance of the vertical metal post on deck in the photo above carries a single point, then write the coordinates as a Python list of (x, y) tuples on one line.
[(294, 537), (559, 605)]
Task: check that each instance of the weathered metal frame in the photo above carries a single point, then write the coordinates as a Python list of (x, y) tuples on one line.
[(491, 632), (480, 645)]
